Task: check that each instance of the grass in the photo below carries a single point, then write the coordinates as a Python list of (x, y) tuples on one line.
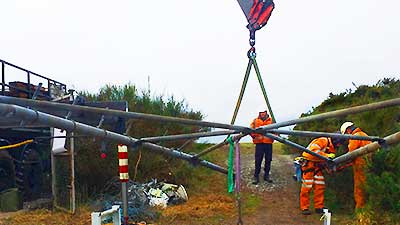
[(47, 217), (248, 148), (251, 203)]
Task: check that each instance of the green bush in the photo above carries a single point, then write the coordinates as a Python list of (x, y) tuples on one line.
[(93, 172), (383, 181)]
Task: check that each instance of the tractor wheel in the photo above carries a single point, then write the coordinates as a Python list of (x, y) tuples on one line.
[(7, 172), (30, 175)]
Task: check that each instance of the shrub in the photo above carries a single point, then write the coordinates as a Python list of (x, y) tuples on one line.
[(93, 172)]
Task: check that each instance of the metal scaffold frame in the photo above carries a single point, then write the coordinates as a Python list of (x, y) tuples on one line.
[(12, 107), (32, 116)]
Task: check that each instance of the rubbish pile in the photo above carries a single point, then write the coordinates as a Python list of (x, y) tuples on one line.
[(142, 197), (163, 194)]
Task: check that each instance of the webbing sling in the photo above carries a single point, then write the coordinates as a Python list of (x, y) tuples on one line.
[(231, 184), (252, 61)]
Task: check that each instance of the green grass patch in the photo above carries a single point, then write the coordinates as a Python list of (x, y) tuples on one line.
[(250, 203), (248, 148)]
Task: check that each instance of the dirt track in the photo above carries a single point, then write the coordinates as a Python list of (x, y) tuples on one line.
[(280, 200)]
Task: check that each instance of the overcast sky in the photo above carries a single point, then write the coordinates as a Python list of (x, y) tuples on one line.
[(196, 50)]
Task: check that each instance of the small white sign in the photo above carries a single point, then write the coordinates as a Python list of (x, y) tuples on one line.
[(59, 143)]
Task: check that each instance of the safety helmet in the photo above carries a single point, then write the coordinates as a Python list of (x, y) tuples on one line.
[(345, 125), (262, 109)]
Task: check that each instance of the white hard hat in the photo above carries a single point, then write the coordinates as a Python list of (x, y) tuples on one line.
[(262, 109), (345, 125)]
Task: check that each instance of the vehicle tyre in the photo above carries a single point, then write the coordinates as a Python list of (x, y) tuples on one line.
[(7, 171), (29, 174)]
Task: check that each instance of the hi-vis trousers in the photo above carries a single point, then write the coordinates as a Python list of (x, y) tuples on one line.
[(312, 178)]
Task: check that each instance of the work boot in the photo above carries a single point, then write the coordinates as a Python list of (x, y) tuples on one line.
[(319, 210), (256, 180), (267, 179), (305, 212)]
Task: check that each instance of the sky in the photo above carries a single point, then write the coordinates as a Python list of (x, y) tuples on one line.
[(196, 50)]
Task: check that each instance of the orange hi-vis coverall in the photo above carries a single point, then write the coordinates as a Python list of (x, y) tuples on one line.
[(263, 148), (358, 168), (312, 173), (259, 138)]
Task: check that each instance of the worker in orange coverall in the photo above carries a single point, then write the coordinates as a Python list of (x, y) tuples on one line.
[(359, 164), (263, 147), (312, 176)]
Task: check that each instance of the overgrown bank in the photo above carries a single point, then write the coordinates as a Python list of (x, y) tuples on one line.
[(383, 178)]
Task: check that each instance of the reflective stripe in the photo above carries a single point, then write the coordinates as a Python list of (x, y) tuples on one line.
[(319, 182), (318, 151), (306, 186), (122, 148), (123, 176), (315, 145), (123, 162), (319, 177), (309, 181)]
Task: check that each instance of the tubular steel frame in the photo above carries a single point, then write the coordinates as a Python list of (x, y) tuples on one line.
[(34, 117)]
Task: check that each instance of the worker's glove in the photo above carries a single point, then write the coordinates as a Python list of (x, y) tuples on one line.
[(331, 155), (299, 158)]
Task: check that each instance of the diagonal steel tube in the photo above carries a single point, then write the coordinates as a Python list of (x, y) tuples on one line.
[(295, 145), (333, 114), (188, 136), (35, 117), (342, 112), (186, 144), (210, 149), (189, 141), (324, 134), (127, 115), (322, 116), (389, 140), (219, 145), (134, 115)]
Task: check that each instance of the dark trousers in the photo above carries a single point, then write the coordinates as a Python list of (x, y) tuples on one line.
[(263, 150)]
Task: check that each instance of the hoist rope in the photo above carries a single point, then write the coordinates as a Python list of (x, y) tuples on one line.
[(253, 58), (244, 84)]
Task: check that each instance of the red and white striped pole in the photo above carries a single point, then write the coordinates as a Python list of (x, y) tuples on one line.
[(124, 177)]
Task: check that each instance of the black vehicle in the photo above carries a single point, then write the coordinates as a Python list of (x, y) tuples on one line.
[(28, 166)]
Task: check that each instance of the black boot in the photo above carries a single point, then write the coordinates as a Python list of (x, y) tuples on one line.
[(267, 179), (305, 212), (256, 180), (320, 210)]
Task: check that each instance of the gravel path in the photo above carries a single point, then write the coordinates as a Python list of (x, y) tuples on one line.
[(280, 200)]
